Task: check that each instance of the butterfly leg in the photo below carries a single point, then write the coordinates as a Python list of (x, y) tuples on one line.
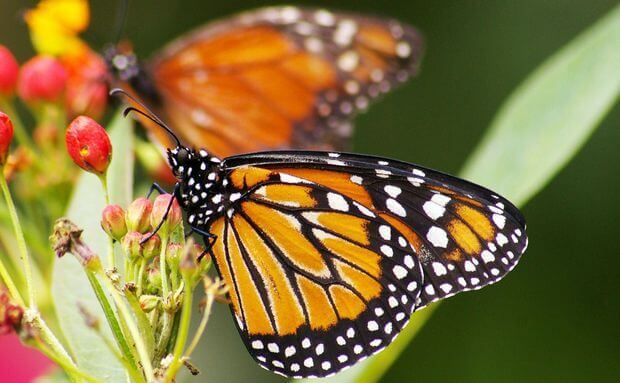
[(175, 193), (208, 238)]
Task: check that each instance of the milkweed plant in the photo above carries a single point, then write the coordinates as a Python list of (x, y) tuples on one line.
[(146, 280)]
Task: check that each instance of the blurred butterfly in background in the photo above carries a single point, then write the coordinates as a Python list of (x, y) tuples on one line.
[(272, 78), (328, 254)]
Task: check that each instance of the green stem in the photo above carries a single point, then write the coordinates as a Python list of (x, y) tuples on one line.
[(141, 277), (111, 318), (104, 183), (48, 336), (70, 369), (165, 288), (8, 281), (143, 321), (132, 327), (203, 324), (21, 242), (186, 315), (136, 376)]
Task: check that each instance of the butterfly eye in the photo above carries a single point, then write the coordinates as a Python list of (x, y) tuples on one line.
[(182, 156)]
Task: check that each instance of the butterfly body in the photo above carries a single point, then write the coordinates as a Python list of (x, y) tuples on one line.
[(328, 254)]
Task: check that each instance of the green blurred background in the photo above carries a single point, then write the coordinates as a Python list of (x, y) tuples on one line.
[(556, 318)]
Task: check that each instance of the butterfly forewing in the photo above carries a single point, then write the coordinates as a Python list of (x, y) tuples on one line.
[(465, 236), (281, 77), (315, 284)]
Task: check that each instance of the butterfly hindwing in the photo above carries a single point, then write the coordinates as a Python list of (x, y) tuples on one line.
[(280, 77), (315, 283)]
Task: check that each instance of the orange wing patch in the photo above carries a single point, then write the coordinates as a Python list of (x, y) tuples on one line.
[(348, 305), (254, 310), (320, 310), (286, 309), (476, 220), (287, 195), (339, 181), (248, 177), (285, 232), (366, 259), (353, 228)]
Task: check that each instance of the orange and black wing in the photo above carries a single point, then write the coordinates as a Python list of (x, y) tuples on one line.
[(315, 284), (280, 77), (328, 254), (465, 236)]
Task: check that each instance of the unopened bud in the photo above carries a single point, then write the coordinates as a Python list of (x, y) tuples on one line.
[(6, 136), (138, 215), (152, 246), (89, 145), (131, 245), (172, 214), (42, 78), (113, 222), (9, 70)]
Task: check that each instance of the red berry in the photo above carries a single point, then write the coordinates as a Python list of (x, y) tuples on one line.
[(6, 136), (88, 145), (42, 78), (9, 71)]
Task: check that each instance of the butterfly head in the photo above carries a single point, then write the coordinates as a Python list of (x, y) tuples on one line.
[(124, 65), (193, 167)]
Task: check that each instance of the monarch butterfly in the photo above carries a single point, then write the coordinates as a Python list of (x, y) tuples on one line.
[(328, 254), (273, 78)]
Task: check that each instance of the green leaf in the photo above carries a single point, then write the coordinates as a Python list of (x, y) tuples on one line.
[(538, 130), (70, 284), (551, 115)]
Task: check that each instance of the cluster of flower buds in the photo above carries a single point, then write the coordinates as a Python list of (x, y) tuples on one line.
[(143, 229)]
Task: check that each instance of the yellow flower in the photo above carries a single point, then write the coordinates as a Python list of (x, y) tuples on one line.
[(55, 25)]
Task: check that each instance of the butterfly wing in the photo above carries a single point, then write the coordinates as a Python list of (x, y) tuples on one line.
[(328, 254), (465, 236), (315, 286), (280, 77)]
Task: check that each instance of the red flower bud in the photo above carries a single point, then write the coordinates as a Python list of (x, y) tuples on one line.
[(138, 215), (151, 247), (42, 78), (88, 145), (113, 221), (9, 70), (160, 207), (6, 136), (131, 245)]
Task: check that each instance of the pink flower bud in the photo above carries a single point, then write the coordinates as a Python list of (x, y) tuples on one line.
[(131, 245), (151, 247), (6, 136), (138, 215), (42, 78), (9, 71), (88, 145), (113, 221), (160, 207)]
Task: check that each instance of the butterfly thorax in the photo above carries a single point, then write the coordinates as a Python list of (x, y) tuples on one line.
[(200, 180)]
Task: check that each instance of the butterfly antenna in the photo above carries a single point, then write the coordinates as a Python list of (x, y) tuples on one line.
[(144, 111), (121, 19)]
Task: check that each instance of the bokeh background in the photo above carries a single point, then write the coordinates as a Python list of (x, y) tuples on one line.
[(556, 318)]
